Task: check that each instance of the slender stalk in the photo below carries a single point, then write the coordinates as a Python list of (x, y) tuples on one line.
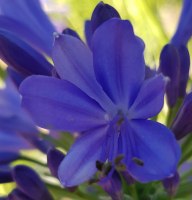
[(133, 192), (32, 160)]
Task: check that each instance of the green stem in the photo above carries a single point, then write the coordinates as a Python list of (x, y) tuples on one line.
[(32, 160), (133, 192), (169, 117)]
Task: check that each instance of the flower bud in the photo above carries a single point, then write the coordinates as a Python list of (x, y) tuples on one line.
[(54, 158), (170, 66), (71, 32), (184, 70), (5, 174), (171, 184), (113, 186), (16, 194), (182, 124), (29, 182), (101, 14)]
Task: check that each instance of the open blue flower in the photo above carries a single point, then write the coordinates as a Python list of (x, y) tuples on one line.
[(104, 95)]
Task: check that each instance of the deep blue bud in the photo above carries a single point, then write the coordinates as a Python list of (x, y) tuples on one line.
[(149, 73), (182, 124), (184, 28), (184, 70), (29, 182), (54, 158), (8, 156), (113, 186), (101, 14), (5, 174), (88, 33), (21, 57), (170, 66), (71, 32), (171, 184), (16, 78), (128, 178), (16, 194)]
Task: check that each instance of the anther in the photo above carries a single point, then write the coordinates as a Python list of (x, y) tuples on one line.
[(99, 165), (107, 168), (93, 180), (138, 161), (118, 159), (122, 167)]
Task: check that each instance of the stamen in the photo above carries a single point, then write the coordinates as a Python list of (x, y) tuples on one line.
[(118, 159), (138, 161), (107, 168), (93, 180), (122, 167), (99, 165)]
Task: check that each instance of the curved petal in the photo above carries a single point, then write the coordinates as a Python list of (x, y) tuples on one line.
[(21, 57), (118, 61), (157, 147), (7, 156), (23, 12), (79, 165), (74, 63), (88, 33), (150, 99), (57, 104)]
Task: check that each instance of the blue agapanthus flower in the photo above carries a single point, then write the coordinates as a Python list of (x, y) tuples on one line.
[(103, 94)]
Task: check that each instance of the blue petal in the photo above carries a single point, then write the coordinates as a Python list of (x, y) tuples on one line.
[(19, 13), (79, 165), (118, 61), (73, 62), (57, 104), (150, 99), (71, 32), (5, 174), (10, 141), (88, 33), (21, 57), (16, 194), (156, 146), (149, 73), (8, 156), (29, 182)]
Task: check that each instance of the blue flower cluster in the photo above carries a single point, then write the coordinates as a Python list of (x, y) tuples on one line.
[(101, 89)]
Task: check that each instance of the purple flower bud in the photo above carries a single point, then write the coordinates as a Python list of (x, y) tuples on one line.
[(101, 14), (88, 33), (16, 194), (114, 186), (171, 184), (128, 178), (182, 124), (8, 156), (71, 32), (184, 28), (170, 66), (5, 174), (54, 158), (184, 70), (15, 77), (29, 182), (21, 57), (149, 73)]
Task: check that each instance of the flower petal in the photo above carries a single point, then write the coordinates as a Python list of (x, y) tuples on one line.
[(79, 165), (21, 57), (157, 147), (73, 62), (57, 104), (118, 61), (19, 13), (150, 99), (88, 33)]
